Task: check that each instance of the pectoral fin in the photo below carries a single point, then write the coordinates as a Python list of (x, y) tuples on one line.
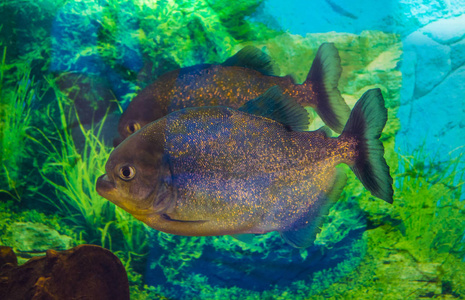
[(245, 237), (304, 237)]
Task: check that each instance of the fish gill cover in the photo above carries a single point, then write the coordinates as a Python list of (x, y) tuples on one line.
[(62, 60)]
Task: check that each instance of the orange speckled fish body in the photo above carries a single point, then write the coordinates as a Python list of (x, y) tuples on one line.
[(209, 85), (240, 173), (233, 85)]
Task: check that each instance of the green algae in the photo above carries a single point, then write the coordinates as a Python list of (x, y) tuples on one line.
[(16, 98)]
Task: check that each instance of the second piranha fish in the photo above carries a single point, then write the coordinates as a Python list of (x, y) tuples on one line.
[(241, 78), (216, 170)]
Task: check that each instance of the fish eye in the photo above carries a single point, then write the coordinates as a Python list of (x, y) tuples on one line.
[(127, 172), (133, 127)]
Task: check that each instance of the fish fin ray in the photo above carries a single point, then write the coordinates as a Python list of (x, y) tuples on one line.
[(244, 237), (325, 131), (324, 75), (273, 104), (305, 236), (253, 58), (366, 122)]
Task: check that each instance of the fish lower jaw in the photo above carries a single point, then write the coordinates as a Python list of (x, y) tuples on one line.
[(105, 187)]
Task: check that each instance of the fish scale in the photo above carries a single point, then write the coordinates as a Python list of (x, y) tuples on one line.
[(265, 160), (217, 170)]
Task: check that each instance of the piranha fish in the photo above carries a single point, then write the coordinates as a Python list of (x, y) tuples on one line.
[(243, 77), (220, 171)]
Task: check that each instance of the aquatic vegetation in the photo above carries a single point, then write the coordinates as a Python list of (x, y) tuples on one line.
[(63, 169), (192, 32), (17, 95), (430, 208), (26, 32), (120, 35), (415, 240), (71, 170), (76, 168), (415, 246)]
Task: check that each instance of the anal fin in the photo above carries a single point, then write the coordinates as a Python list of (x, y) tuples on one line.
[(244, 237), (304, 237)]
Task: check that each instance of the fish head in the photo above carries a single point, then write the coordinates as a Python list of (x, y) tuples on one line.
[(137, 175), (142, 110)]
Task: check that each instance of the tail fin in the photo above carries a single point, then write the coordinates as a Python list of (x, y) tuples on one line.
[(324, 75), (366, 122)]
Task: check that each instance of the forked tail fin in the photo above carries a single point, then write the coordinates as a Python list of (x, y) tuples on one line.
[(324, 76), (366, 122)]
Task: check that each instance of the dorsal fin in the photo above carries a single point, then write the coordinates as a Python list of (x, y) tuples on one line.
[(253, 58), (273, 104)]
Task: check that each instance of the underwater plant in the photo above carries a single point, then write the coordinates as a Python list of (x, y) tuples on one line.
[(193, 32), (417, 245), (71, 171), (120, 36), (17, 94)]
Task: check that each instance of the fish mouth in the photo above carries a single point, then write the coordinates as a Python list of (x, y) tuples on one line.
[(104, 186), (168, 218)]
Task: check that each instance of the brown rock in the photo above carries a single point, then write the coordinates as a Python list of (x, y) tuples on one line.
[(84, 272), (7, 256)]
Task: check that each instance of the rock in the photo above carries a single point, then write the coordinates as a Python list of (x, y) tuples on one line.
[(409, 62), (446, 31), (402, 17), (84, 272), (35, 238), (457, 54), (7, 256), (432, 62), (437, 118)]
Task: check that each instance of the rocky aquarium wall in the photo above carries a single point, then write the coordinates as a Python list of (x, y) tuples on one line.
[(70, 69)]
